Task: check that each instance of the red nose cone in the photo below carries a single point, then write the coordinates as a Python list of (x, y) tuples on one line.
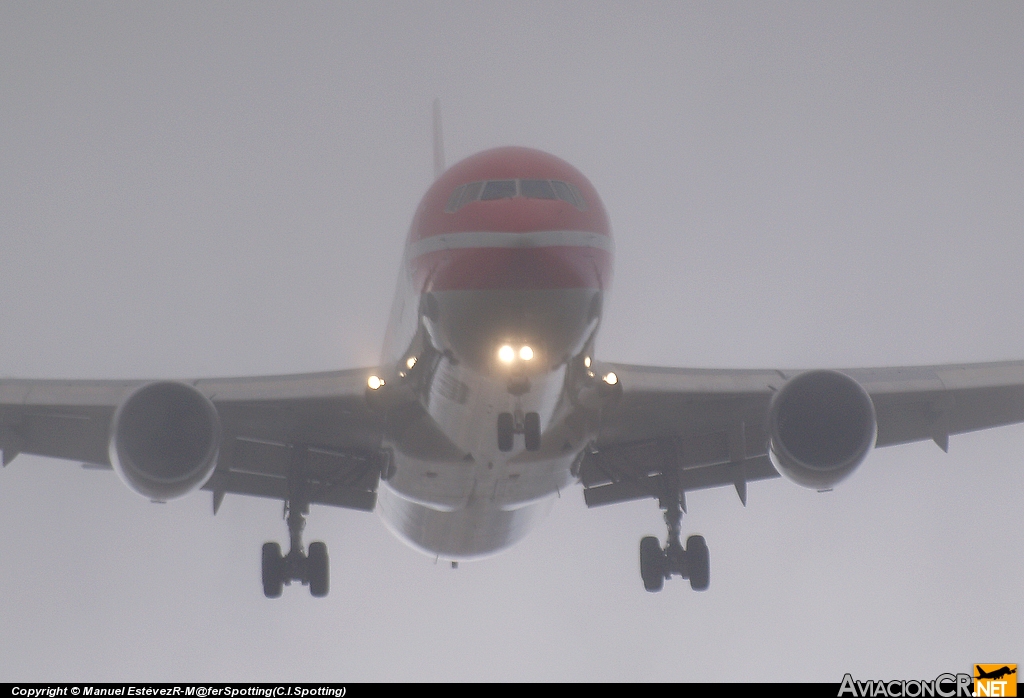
[(519, 239)]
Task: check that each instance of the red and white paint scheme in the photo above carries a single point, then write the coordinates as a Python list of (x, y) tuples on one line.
[(499, 298), (488, 401)]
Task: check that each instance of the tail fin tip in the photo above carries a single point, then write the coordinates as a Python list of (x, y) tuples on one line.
[(438, 140)]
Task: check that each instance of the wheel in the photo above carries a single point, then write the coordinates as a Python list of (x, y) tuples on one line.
[(531, 428), (273, 565), (652, 564), (319, 569), (698, 563), (506, 431)]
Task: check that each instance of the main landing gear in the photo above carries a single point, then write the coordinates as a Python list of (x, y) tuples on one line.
[(692, 562), (312, 568), (657, 565), (528, 425)]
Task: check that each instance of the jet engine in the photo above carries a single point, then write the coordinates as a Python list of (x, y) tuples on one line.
[(821, 426), (164, 440)]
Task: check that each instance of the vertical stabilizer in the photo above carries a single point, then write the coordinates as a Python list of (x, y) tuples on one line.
[(438, 140)]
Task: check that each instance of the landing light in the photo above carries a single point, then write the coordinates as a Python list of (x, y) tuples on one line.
[(586, 361), (374, 382), (611, 378), (526, 353), (507, 354), (410, 362)]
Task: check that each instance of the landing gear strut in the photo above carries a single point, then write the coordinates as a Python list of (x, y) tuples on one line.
[(311, 569), (658, 564)]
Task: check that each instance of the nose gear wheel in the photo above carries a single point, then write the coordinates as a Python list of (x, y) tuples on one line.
[(506, 431), (528, 425)]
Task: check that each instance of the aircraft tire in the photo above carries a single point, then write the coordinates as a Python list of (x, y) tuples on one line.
[(506, 431), (652, 564), (319, 567), (272, 566), (531, 429), (698, 563)]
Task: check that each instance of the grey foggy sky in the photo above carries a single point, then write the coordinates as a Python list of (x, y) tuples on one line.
[(193, 190)]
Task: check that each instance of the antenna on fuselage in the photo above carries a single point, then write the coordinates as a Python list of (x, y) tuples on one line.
[(438, 140)]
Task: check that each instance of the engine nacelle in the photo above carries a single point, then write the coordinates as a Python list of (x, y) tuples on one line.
[(821, 426), (164, 440)]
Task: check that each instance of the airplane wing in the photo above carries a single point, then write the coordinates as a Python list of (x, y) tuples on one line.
[(710, 428), (263, 423), (705, 427)]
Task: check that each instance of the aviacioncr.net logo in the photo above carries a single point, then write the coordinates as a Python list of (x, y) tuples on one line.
[(942, 686)]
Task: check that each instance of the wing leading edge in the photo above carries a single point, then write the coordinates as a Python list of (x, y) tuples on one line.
[(706, 426), (700, 428), (278, 433)]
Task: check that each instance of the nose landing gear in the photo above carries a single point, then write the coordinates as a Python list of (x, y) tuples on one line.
[(528, 425)]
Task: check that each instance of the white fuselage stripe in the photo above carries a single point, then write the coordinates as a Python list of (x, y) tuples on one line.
[(540, 238)]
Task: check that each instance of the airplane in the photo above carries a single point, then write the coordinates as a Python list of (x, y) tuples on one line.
[(490, 399), (995, 674)]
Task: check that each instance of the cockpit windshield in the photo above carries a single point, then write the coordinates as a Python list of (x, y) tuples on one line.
[(511, 188), (499, 189), (537, 189)]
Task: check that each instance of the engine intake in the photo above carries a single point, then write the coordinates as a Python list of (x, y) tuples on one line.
[(821, 426), (164, 440)]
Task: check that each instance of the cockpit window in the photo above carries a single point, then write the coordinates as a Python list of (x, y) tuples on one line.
[(462, 195), (536, 189), (499, 189), (567, 192), (510, 188), (472, 193), (455, 199)]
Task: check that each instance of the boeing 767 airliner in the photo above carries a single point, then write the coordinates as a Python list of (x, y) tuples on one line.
[(490, 398)]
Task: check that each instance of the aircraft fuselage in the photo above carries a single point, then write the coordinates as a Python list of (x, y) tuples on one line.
[(498, 302)]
